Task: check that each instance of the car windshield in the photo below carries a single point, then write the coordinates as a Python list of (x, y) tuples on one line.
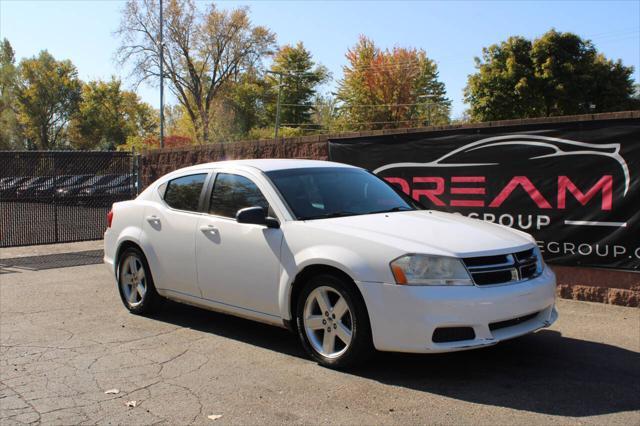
[(325, 192)]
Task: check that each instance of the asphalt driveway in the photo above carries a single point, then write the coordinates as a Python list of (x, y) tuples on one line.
[(66, 339)]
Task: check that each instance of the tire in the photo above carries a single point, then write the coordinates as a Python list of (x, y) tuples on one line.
[(141, 302), (333, 341)]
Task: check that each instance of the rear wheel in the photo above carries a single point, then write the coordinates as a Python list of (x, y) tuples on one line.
[(135, 283), (333, 323)]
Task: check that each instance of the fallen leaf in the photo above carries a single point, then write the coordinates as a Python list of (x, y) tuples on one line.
[(214, 416), (132, 404), (112, 391)]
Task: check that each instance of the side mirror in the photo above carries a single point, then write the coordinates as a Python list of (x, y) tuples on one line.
[(256, 216)]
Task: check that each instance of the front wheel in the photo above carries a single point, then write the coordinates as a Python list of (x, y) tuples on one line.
[(135, 283), (332, 322)]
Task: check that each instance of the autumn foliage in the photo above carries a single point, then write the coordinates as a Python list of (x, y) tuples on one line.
[(391, 88)]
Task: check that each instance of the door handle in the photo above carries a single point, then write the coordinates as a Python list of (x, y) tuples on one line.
[(209, 228), (153, 219)]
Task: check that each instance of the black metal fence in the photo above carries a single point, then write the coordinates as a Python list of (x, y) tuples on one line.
[(61, 196)]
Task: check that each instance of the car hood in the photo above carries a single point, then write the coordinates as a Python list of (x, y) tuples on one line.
[(428, 231)]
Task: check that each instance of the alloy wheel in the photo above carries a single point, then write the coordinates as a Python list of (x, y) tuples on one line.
[(133, 280), (328, 322)]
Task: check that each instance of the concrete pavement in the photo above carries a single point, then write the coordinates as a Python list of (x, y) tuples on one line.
[(66, 338)]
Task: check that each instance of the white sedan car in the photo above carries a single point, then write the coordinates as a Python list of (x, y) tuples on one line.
[(331, 252)]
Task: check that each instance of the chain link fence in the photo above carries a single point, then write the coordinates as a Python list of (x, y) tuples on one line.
[(61, 196)]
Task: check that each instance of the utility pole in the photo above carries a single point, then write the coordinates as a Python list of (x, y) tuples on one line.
[(428, 105), (279, 74), (161, 82)]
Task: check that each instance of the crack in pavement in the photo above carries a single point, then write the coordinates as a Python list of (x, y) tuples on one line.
[(56, 363), (19, 395)]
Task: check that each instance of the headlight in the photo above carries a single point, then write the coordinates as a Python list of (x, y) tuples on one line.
[(539, 261), (422, 269)]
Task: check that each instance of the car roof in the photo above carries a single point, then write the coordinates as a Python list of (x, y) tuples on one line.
[(267, 165)]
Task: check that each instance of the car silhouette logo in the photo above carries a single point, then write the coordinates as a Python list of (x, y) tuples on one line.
[(524, 147)]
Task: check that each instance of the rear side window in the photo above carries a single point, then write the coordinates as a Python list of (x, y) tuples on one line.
[(232, 193), (183, 193)]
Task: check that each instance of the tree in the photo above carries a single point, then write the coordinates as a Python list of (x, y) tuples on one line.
[(202, 51), (556, 74), (294, 67), (636, 94), (391, 88), (140, 143), (48, 92), (244, 102), (10, 137), (108, 115), (325, 114), (176, 122), (506, 87)]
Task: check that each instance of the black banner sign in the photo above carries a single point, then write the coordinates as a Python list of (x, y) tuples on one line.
[(574, 186)]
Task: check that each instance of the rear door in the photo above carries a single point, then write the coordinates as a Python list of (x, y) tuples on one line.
[(169, 226)]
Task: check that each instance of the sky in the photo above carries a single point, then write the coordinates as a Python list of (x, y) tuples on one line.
[(451, 32)]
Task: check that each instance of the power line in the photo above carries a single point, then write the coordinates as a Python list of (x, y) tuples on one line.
[(281, 74), (383, 67), (614, 32), (417, 63), (615, 39), (291, 73), (301, 124), (611, 35), (406, 66), (364, 105), (357, 123)]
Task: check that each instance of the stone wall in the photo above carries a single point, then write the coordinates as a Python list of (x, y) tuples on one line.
[(588, 284), (598, 285), (154, 164)]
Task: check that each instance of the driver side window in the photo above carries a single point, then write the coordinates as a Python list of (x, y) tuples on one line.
[(234, 192)]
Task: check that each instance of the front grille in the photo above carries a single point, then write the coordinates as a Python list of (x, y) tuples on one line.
[(453, 334), (493, 277), (510, 323), (503, 268), (482, 261)]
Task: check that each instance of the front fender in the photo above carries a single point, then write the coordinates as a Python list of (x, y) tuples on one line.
[(341, 258)]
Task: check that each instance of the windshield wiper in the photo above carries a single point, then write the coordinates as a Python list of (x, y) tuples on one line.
[(394, 209), (329, 215)]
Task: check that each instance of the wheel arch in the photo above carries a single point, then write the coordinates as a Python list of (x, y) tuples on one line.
[(122, 246), (304, 275)]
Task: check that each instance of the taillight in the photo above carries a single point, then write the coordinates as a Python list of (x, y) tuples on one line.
[(109, 218)]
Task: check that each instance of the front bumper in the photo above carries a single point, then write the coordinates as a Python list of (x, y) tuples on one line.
[(404, 318)]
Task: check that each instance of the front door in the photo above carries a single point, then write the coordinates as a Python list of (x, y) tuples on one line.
[(238, 264)]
